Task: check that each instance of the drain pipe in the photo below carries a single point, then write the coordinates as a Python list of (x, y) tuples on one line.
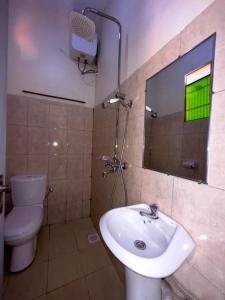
[(167, 293)]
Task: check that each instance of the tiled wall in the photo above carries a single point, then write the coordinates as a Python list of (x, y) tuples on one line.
[(200, 208), (50, 138)]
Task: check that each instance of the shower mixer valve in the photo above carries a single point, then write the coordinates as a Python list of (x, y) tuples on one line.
[(113, 165)]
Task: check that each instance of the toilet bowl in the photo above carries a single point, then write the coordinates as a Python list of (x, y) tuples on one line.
[(25, 219)]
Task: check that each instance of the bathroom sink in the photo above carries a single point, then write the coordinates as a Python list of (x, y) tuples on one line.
[(151, 247)]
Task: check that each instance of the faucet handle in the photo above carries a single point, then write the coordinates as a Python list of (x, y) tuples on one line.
[(104, 157)]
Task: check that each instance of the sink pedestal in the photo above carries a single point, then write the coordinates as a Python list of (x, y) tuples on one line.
[(139, 287)]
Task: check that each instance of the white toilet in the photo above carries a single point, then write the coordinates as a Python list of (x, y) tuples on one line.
[(25, 219)]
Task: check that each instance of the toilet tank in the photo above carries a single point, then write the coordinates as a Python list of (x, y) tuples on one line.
[(28, 189)]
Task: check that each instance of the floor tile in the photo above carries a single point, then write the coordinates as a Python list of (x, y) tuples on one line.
[(43, 297), (76, 290), (42, 245), (81, 228), (94, 258), (105, 284), (81, 224), (28, 284), (62, 240), (63, 270), (82, 238)]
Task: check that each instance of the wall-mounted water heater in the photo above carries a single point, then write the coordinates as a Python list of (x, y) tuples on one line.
[(83, 50)]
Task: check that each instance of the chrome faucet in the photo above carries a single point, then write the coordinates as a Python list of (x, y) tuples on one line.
[(153, 214), (113, 165)]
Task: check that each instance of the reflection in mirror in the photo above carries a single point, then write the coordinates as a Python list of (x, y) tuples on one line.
[(177, 111)]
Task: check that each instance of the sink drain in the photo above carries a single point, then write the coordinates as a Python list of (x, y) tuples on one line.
[(140, 245)]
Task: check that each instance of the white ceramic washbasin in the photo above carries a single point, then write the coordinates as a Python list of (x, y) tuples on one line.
[(167, 243)]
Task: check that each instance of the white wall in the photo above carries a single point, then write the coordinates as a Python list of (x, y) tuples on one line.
[(147, 26), (37, 31)]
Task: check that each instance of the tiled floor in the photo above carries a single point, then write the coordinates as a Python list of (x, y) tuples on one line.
[(67, 267)]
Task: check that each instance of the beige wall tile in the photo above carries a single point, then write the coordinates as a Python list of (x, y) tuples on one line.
[(216, 162), (74, 210), (45, 219), (56, 213), (88, 119), (57, 167), (57, 116), (17, 110), (197, 284), (86, 166), (75, 117), (59, 192), (86, 208), (219, 63), (87, 142), (17, 139), (16, 165), (37, 140), (58, 109), (75, 142), (37, 164), (208, 269), (196, 208), (133, 177), (57, 139), (157, 188), (74, 190), (75, 167), (57, 121), (86, 188), (38, 113)]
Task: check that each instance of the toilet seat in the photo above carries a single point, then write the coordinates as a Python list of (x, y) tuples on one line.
[(22, 222)]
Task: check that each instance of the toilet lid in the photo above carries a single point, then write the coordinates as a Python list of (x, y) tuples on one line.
[(22, 221)]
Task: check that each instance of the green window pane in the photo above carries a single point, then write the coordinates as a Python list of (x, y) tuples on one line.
[(197, 99)]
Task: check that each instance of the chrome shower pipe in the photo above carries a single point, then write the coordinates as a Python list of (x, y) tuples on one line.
[(104, 15), (118, 94)]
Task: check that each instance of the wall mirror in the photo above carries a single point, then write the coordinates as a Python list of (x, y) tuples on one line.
[(177, 112)]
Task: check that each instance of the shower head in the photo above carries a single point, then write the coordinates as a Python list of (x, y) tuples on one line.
[(153, 114), (82, 25), (106, 103), (119, 98)]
